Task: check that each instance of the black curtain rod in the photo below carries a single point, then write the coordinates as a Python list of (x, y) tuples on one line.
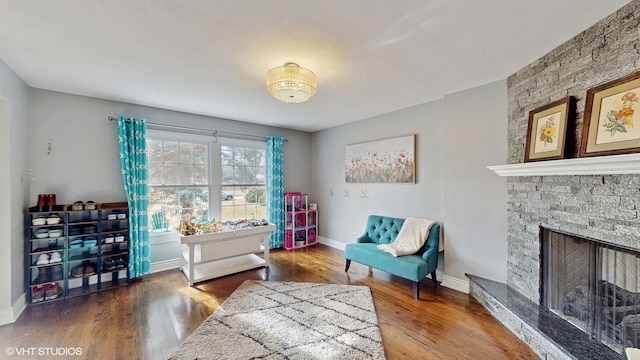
[(214, 133)]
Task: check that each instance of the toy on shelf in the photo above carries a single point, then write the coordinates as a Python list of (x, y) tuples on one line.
[(301, 219)]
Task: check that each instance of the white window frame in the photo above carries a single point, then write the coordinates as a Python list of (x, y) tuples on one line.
[(214, 173)]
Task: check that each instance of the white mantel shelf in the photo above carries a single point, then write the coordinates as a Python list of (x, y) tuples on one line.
[(601, 165)]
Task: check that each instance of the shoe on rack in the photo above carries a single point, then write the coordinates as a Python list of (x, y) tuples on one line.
[(56, 272), (42, 276), (90, 205), (55, 258), (52, 291), (37, 293), (109, 239), (78, 205), (89, 229), (89, 242), (78, 271), (89, 269), (55, 233), (39, 221), (75, 243), (109, 265), (51, 201), (121, 263), (43, 259), (53, 219), (119, 238)]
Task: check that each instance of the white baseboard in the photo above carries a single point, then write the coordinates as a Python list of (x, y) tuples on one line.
[(445, 280), (455, 283), (166, 265), (10, 315), (333, 243)]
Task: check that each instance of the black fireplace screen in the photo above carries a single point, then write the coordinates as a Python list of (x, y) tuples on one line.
[(593, 285)]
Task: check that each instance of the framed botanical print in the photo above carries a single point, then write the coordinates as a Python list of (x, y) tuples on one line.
[(610, 115), (547, 130)]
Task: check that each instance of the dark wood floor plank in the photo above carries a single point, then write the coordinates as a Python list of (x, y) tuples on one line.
[(151, 317)]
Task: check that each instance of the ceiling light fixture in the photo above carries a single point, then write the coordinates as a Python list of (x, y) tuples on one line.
[(291, 83)]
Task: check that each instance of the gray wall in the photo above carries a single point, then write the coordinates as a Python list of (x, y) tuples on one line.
[(457, 137), (600, 207), (75, 151), (474, 197), (83, 162), (343, 218), (14, 156)]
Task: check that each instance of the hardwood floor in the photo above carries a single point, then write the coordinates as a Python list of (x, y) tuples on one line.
[(149, 318)]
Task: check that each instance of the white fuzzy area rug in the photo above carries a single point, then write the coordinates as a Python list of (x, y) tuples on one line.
[(289, 320)]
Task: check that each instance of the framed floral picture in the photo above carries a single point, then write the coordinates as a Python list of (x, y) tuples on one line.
[(547, 130), (610, 123), (390, 160)]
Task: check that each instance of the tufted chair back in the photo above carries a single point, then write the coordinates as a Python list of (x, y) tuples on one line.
[(383, 229)]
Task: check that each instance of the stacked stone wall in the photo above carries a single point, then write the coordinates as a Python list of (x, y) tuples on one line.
[(601, 207)]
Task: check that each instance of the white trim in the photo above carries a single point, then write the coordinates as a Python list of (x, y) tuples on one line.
[(332, 243), (455, 283), (6, 316), (601, 165), (166, 265), (10, 315)]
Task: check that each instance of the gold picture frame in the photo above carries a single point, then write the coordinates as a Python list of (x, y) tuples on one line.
[(547, 130), (390, 160), (610, 110)]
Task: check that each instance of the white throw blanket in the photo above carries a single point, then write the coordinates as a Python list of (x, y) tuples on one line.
[(411, 238)]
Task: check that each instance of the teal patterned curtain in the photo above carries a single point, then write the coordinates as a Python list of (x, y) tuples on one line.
[(133, 161), (275, 189)]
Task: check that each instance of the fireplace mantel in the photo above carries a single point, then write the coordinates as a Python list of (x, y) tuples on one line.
[(602, 165)]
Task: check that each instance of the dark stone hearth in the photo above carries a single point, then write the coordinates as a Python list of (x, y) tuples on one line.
[(550, 336)]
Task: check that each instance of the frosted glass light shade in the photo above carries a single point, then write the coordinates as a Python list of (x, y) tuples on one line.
[(291, 83)]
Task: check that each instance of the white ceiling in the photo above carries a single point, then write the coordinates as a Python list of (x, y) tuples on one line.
[(210, 57)]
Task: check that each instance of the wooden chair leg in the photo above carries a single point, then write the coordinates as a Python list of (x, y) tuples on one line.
[(346, 268), (416, 290), (433, 277)]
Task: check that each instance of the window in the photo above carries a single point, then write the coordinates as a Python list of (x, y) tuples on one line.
[(193, 178), (243, 179)]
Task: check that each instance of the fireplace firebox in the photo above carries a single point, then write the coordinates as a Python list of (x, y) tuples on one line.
[(593, 285)]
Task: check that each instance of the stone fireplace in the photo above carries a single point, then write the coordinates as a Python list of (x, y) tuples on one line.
[(597, 204)]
